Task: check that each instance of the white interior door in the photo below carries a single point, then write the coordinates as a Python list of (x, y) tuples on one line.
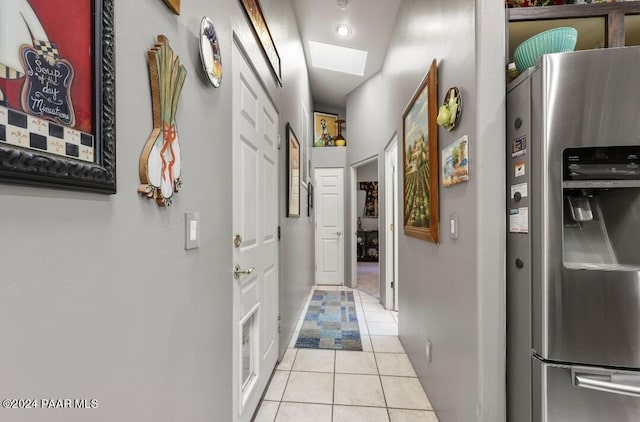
[(329, 236), (255, 245)]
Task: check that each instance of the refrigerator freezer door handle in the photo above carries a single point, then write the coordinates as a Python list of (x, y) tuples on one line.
[(606, 383)]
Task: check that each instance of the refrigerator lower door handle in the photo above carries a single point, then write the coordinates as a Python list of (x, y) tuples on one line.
[(616, 383)]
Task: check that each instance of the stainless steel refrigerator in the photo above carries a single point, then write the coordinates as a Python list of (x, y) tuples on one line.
[(573, 239)]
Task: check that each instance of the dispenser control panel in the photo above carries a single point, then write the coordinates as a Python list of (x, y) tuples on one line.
[(601, 163)]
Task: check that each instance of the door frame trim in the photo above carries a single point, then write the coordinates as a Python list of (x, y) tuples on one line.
[(353, 217), (391, 239)]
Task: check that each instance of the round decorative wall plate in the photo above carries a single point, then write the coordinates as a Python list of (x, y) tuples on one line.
[(210, 52), (451, 110)]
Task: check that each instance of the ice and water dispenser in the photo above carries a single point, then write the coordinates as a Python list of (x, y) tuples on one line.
[(591, 298), (601, 216)]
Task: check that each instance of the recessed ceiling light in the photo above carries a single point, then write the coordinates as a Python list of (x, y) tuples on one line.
[(338, 59), (343, 30)]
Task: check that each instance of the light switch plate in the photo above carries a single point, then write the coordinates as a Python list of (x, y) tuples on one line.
[(191, 230), (453, 225)]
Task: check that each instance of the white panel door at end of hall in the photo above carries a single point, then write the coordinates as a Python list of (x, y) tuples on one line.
[(255, 243), (329, 233)]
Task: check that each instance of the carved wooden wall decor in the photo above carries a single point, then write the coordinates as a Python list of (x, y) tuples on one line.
[(160, 162)]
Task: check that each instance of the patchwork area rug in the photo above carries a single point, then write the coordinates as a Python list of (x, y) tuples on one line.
[(331, 322)]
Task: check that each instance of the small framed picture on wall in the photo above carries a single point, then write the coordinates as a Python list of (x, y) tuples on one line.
[(325, 129), (293, 173)]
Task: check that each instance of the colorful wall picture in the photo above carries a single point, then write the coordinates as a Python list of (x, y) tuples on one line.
[(420, 157), (455, 162), (371, 199), (160, 162), (293, 173), (57, 94), (253, 11), (305, 143), (325, 129)]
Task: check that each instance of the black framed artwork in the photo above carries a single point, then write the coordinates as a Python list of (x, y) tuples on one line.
[(293, 173), (309, 199), (57, 95), (371, 199)]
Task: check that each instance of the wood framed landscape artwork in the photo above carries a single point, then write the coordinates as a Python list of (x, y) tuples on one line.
[(420, 158), (293, 173), (57, 94)]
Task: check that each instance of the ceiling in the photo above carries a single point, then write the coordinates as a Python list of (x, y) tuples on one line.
[(371, 22)]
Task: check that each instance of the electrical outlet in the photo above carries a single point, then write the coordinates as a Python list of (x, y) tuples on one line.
[(428, 350)]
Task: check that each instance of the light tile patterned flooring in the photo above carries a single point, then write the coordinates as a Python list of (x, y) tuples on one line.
[(377, 384)]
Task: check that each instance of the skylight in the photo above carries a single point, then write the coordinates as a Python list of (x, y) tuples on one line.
[(337, 59)]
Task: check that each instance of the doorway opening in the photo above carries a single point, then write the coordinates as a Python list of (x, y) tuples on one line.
[(367, 228)]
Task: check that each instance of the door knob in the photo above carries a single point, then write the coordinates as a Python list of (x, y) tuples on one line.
[(237, 271)]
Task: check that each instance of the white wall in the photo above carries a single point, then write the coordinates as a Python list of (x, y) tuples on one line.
[(366, 140), (365, 114), (99, 298), (451, 293), (490, 221), (329, 157)]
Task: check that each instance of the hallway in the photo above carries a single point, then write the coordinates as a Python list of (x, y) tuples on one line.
[(131, 299), (377, 384), (368, 275)]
